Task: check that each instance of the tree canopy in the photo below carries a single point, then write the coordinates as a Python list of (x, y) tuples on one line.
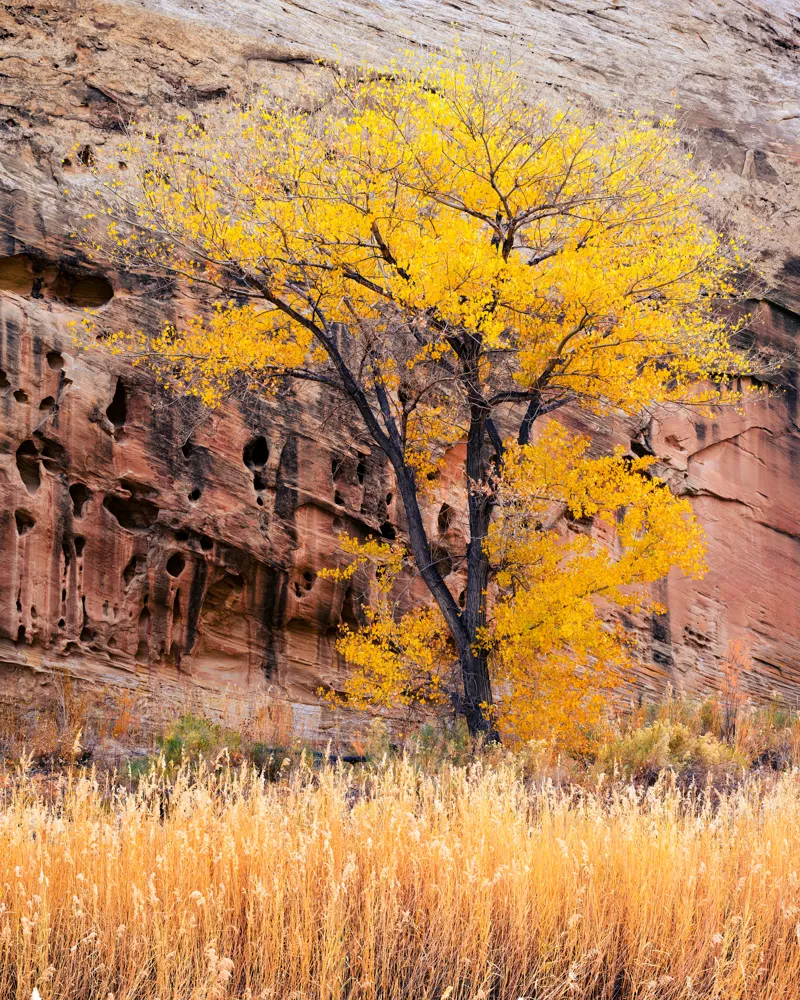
[(456, 260)]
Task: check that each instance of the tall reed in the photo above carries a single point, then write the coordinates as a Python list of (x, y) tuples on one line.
[(465, 883)]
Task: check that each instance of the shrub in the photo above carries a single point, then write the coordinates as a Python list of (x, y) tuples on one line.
[(642, 754), (190, 738)]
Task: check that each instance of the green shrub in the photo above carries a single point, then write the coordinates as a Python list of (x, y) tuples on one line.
[(190, 738), (642, 754)]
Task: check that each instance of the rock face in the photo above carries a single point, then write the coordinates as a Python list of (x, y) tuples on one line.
[(153, 547)]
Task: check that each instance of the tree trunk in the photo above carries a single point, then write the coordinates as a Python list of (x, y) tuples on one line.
[(477, 695)]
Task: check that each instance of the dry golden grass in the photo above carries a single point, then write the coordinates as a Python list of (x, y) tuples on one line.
[(465, 883)]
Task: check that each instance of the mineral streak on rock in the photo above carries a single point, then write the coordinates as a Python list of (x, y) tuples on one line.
[(151, 546)]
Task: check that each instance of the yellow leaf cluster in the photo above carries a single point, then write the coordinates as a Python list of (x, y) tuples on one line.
[(399, 660), (555, 653), (434, 246), (432, 200)]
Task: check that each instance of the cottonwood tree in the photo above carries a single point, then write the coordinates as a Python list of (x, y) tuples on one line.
[(457, 261)]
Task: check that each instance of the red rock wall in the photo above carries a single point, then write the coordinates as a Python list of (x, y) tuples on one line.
[(152, 547)]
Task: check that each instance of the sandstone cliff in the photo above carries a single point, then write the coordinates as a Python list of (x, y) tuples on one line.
[(151, 546)]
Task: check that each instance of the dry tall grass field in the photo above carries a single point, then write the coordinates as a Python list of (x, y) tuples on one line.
[(468, 882)]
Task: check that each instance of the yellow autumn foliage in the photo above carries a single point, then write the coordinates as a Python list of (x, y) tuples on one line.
[(451, 256), (440, 199), (554, 655)]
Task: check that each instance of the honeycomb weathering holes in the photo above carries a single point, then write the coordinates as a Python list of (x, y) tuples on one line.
[(80, 496), (24, 522), (117, 410), (28, 466), (255, 453), (176, 564), (29, 277), (445, 518), (130, 570), (131, 513)]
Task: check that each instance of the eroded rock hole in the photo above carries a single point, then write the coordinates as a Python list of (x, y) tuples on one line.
[(388, 498), (47, 403), (308, 580), (206, 543), (142, 650), (133, 514), (86, 156), (130, 571), (16, 275), (338, 499), (350, 608), (87, 633), (4, 383), (66, 551), (445, 519), (21, 396), (80, 496), (28, 466), (91, 292), (187, 448), (255, 453), (80, 545), (55, 361), (361, 468), (641, 449), (117, 408), (176, 564), (24, 521), (54, 456), (83, 291), (21, 634), (195, 495), (388, 531)]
